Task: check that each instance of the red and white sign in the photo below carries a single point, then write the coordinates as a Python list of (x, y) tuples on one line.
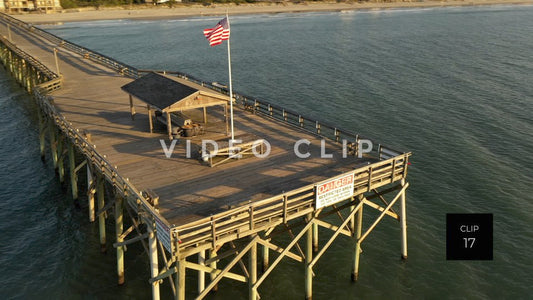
[(334, 190)]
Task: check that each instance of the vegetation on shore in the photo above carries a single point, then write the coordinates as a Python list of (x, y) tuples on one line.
[(99, 3), (109, 3)]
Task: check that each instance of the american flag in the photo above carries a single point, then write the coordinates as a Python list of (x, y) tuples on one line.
[(217, 34)]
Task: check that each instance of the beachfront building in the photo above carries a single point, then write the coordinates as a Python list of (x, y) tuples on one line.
[(17, 6)]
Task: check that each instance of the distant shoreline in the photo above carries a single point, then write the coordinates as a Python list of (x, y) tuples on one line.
[(191, 10)]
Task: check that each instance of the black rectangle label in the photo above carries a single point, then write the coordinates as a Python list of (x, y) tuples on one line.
[(469, 236)]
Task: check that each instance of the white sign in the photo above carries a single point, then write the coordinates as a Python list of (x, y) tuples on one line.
[(334, 190), (163, 233)]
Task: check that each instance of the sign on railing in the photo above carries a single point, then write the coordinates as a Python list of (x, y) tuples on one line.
[(334, 190)]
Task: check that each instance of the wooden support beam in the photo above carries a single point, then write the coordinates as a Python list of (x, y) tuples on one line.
[(150, 118), (218, 257), (280, 257), (101, 203), (403, 220), (163, 274), (205, 115), (119, 224), (201, 273), (213, 264), (358, 225), (132, 108), (228, 268), (383, 200), (154, 267), (204, 269), (57, 61), (104, 209), (327, 225), (291, 234), (279, 249), (42, 132), (130, 241), (169, 126), (198, 267), (91, 189), (126, 232), (252, 265), (81, 165), (167, 265), (72, 169), (383, 213), (241, 264), (334, 236), (265, 253), (309, 247), (180, 279), (337, 211), (61, 156), (383, 192), (53, 142), (315, 237), (382, 209), (136, 224)]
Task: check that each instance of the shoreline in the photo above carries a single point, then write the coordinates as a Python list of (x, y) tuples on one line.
[(195, 10)]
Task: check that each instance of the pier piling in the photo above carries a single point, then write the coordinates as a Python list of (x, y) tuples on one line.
[(201, 274), (309, 248), (101, 213), (403, 222), (252, 271), (72, 170), (213, 254), (154, 267), (265, 251), (119, 223), (315, 237), (42, 133), (358, 220), (53, 142), (60, 140), (91, 191), (180, 279)]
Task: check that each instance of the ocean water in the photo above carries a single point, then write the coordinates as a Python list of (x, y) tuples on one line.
[(452, 85)]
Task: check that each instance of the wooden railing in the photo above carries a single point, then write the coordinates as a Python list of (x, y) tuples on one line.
[(107, 61), (260, 215), (47, 73)]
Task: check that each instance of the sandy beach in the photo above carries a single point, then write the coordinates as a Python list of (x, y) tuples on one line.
[(189, 10)]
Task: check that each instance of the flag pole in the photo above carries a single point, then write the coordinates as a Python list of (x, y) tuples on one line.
[(230, 86)]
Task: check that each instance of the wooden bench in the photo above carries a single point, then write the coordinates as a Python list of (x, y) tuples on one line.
[(249, 146)]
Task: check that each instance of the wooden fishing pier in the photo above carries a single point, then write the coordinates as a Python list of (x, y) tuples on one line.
[(191, 212)]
